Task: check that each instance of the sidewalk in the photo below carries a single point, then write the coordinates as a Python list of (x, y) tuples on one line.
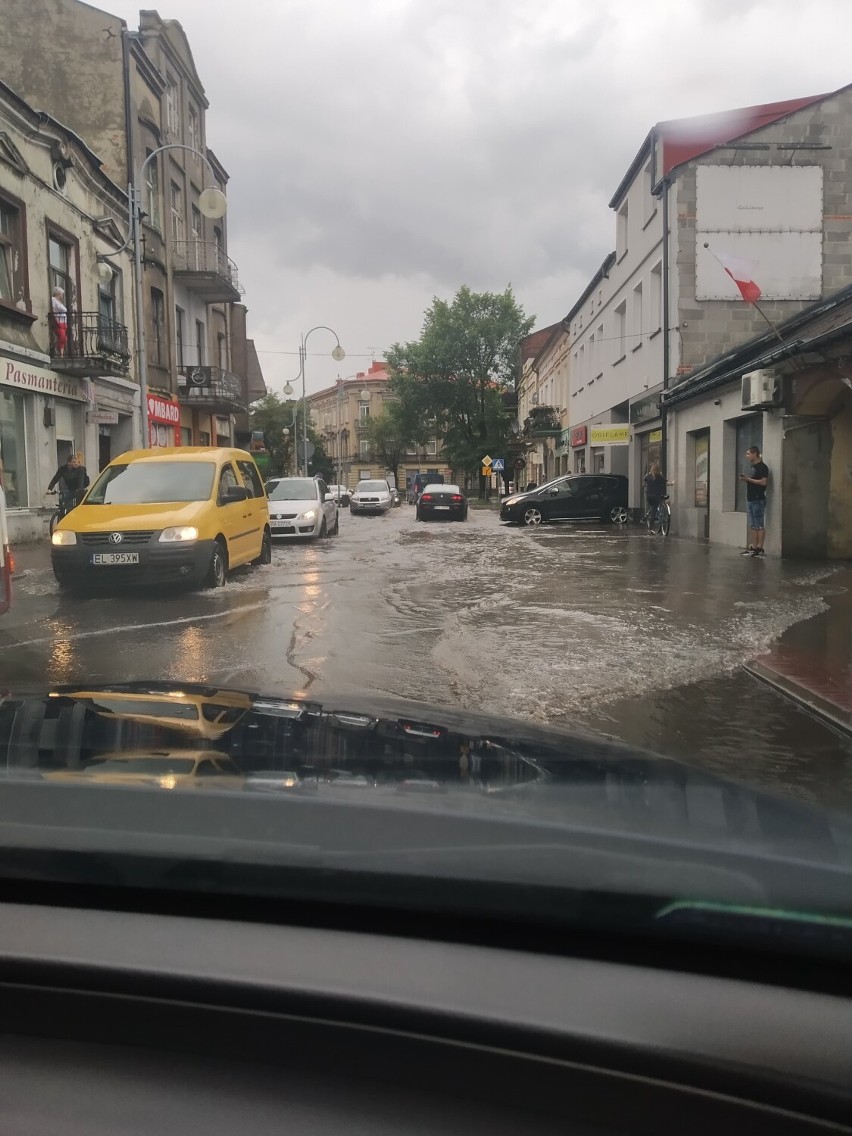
[(812, 661)]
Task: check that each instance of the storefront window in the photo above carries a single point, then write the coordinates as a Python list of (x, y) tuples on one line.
[(702, 469), (749, 433), (13, 451), (186, 436), (650, 449)]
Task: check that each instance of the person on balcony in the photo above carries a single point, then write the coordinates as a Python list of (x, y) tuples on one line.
[(60, 320)]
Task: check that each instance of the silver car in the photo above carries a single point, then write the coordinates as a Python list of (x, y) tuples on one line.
[(301, 507), (372, 496)]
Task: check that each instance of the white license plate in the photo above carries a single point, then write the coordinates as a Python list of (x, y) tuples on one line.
[(281, 524), (447, 507), (115, 557)]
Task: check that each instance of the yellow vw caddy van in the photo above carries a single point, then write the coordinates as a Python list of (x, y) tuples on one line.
[(185, 514)]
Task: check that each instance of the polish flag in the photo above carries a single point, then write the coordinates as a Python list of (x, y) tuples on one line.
[(741, 272)]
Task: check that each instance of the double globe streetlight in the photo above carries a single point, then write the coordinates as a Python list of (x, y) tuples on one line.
[(212, 203), (337, 355)]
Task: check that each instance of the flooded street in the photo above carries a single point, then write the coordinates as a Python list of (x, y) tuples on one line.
[(604, 628)]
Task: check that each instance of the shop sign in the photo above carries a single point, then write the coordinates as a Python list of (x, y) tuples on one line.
[(104, 417), (163, 422), (223, 425), (655, 436), (645, 409), (24, 376), (610, 435), (579, 436)]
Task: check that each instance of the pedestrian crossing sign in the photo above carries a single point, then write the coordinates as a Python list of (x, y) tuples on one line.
[(498, 465)]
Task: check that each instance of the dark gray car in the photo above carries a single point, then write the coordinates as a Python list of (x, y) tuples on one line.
[(582, 496)]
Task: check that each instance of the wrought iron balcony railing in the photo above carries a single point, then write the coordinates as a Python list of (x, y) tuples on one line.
[(212, 388), (88, 343), (206, 270)]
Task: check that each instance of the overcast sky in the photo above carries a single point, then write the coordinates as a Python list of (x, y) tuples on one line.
[(382, 152)]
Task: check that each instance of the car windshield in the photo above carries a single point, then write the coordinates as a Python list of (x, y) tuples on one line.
[(153, 483), (294, 489), (584, 268)]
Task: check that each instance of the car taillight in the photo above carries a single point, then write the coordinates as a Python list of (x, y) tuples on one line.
[(425, 496), (457, 497)]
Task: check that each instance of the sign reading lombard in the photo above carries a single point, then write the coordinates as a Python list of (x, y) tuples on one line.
[(610, 435), (25, 376)]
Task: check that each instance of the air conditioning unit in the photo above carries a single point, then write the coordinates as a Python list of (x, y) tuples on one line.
[(761, 389)]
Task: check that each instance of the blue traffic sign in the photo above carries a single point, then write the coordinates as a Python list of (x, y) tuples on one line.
[(497, 466)]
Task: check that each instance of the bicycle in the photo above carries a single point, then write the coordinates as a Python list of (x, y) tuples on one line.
[(659, 517), (64, 506)]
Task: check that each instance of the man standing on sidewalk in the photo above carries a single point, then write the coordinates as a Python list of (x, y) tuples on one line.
[(756, 501)]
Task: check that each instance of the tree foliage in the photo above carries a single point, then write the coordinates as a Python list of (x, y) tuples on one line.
[(273, 415), (451, 379)]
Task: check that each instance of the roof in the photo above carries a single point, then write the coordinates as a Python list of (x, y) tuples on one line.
[(601, 273), (683, 139), (809, 330), (531, 344)]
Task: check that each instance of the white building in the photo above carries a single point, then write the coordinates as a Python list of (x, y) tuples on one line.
[(65, 383)]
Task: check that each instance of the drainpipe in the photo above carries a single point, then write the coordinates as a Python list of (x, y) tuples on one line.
[(664, 447)]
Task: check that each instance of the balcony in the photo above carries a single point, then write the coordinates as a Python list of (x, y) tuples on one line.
[(362, 427), (206, 271), (212, 389), (543, 422), (88, 344)]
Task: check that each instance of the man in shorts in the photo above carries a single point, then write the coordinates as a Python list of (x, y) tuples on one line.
[(756, 501)]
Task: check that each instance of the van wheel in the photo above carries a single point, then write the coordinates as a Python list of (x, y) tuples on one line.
[(217, 573), (265, 550)]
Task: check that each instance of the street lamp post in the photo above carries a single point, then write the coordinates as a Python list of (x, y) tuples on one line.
[(337, 354), (212, 203)]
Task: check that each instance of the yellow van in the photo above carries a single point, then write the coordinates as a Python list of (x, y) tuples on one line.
[(184, 514)]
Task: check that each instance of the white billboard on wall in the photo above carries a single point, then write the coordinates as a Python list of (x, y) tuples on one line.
[(768, 215)]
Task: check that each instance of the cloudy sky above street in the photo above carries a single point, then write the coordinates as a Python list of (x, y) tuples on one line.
[(383, 152)]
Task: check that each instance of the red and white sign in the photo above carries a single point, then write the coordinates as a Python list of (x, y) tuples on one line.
[(163, 422), (579, 435)]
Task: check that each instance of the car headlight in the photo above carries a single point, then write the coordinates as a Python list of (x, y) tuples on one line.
[(308, 515), (179, 534), (63, 536), (167, 782), (511, 500)]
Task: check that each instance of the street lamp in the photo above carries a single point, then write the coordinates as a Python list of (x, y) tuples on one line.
[(211, 202), (337, 355)]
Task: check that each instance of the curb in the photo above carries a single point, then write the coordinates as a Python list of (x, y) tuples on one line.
[(828, 711)]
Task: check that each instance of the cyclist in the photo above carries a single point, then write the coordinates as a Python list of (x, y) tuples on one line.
[(655, 491), (72, 481)]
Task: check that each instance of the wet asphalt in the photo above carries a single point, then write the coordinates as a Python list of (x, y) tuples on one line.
[(640, 637)]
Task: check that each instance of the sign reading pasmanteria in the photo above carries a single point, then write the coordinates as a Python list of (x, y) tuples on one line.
[(25, 376)]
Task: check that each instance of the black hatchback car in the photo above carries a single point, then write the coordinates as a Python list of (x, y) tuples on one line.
[(592, 496)]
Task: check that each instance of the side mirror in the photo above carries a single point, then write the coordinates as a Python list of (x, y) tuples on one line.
[(329, 497), (235, 493), (554, 492)]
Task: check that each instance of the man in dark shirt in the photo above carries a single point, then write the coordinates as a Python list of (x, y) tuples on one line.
[(72, 480), (756, 501)]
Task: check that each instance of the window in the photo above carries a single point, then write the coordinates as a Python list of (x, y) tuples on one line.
[(363, 410), (223, 350), (620, 337), (432, 447), (193, 128), (152, 191), (179, 318), (203, 438), (599, 360), (185, 436), (621, 232), (108, 297), (13, 447), (172, 107), (158, 328), (60, 256), (657, 297), (251, 478), (176, 200), (749, 433), (200, 344), (197, 224), (12, 252), (227, 478), (638, 316), (364, 450)]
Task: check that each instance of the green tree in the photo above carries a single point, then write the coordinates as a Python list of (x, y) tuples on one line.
[(391, 434), (451, 379), (280, 421)]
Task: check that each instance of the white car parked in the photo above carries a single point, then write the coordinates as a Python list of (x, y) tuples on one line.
[(301, 507), (371, 497)]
